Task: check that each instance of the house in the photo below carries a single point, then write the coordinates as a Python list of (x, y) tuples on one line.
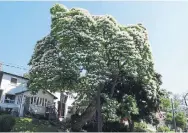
[(64, 103), (37, 102), (14, 92), (8, 82)]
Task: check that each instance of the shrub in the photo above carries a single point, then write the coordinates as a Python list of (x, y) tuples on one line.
[(140, 127), (110, 126), (6, 123), (15, 113), (114, 126), (163, 129), (27, 125), (3, 111)]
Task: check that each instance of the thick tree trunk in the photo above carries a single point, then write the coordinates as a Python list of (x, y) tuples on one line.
[(80, 121), (99, 121)]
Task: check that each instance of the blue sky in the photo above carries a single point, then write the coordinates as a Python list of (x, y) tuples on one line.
[(24, 23)]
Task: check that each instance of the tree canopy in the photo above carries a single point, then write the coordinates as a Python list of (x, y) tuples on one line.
[(115, 56)]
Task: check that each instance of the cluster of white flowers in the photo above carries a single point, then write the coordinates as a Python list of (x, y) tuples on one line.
[(97, 43)]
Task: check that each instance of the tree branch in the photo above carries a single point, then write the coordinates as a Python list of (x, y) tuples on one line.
[(113, 86), (184, 97)]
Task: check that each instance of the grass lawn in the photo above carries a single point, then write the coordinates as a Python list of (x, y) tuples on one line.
[(26, 125)]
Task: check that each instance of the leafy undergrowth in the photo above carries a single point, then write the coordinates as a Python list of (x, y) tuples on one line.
[(28, 125)]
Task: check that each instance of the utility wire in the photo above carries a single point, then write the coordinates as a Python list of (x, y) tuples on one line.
[(13, 66)]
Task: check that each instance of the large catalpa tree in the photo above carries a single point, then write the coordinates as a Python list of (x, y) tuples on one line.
[(108, 51)]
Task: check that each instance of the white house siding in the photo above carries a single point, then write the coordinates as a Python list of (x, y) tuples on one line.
[(16, 98), (70, 101), (57, 94), (6, 85), (40, 109)]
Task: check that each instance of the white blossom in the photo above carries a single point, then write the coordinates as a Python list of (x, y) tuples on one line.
[(97, 43)]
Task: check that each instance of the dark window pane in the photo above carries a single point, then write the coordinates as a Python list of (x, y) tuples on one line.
[(9, 98), (13, 81), (34, 100), (31, 100)]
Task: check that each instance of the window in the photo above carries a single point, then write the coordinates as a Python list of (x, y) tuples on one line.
[(9, 98), (31, 100), (42, 101), (61, 109), (70, 96), (13, 81), (34, 100), (37, 100), (45, 102)]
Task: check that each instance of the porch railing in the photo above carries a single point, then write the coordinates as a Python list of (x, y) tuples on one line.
[(9, 101)]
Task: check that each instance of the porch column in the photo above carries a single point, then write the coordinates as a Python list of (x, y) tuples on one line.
[(33, 100), (21, 106), (3, 98)]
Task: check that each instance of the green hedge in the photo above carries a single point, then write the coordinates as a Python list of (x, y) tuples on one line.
[(140, 127), (33, 125), (163, 129), (6, 123), (3, 112)]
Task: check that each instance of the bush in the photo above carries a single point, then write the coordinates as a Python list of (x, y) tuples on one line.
[(163, 129), (114, 127), (3, 112), (28, 125), (140, 127), (6, 123), (110, 126)]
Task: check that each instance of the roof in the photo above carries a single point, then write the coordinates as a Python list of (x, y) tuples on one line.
[(2, 72), (29, 90), (18, 89)]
